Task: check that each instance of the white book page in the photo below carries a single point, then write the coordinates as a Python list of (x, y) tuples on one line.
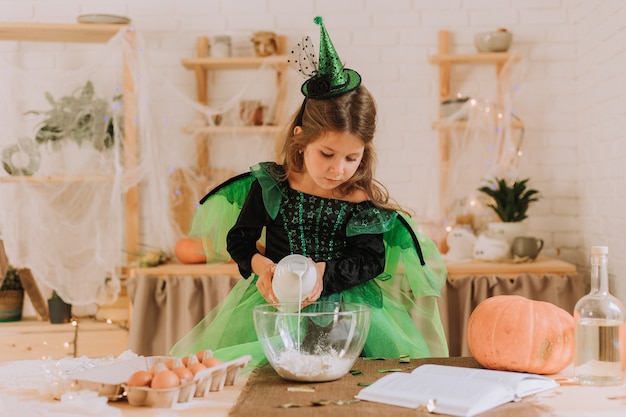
[(522, 384), (441, 393), (454, 390)]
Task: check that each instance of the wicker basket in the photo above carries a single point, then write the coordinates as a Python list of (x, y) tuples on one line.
[(11, 302)]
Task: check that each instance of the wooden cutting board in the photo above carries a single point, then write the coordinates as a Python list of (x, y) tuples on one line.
[(32, 289), (4, 262)]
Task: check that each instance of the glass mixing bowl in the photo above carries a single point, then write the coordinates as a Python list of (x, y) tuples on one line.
[(319, 343)]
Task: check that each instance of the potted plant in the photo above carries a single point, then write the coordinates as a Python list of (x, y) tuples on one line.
[(511, 200), (11, 296), (58, 310), (79, 117)]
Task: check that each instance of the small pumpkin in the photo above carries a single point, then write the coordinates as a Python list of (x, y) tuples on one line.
[(514, 333), (189, 250)]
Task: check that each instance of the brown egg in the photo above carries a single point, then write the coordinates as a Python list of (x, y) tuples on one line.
[(180, 369), (157, 367), (169, 364), (174, 363), (211, 361), (196, 367), (165, 379), (188, 360), (203, 354), (140, 379), (184, 374)]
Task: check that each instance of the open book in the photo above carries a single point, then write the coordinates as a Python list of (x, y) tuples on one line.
[(454, 390)]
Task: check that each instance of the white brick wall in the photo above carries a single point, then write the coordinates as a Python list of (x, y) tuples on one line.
[(572, 93), (601, 45)]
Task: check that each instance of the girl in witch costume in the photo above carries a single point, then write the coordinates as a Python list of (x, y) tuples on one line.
[(322, 202)]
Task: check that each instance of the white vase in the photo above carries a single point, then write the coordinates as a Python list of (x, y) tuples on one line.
[(506, 231)]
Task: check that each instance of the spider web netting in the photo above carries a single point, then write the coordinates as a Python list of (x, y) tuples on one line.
[(485, 141), (68, 161)]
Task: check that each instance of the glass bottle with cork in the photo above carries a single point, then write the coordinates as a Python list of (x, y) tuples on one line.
[(600, 329)]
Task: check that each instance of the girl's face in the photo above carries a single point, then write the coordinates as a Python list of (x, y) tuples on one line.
[(332, 160)]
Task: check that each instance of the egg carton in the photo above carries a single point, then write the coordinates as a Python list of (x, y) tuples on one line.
[(205, 381), (110, 381), (107, 380), (160, 398), (216, 377)]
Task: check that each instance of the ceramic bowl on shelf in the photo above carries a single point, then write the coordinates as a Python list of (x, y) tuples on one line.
[(495, 41), (453, 106), (319, 343)]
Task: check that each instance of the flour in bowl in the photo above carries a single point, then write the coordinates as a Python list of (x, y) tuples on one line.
[(301, 366)]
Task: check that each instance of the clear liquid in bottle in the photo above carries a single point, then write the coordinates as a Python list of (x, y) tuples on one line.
[(600, 361), (600, 329)]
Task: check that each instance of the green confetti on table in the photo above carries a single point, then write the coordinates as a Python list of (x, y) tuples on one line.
[(364, 384), (382, 371), (356, 372), (289, 405), (320, 403)]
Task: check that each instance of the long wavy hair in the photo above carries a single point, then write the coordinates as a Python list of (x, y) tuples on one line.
[(353, 112)]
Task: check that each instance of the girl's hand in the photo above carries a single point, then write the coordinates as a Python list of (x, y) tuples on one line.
[(316, 292), (264, 268)]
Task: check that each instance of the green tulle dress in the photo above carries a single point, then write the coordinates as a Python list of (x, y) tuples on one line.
[(404, 316)]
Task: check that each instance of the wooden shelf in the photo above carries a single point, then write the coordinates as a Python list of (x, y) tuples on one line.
[(201, 65), (58, 32), (243, 62), (233, 129), (478, 58), (462, 124), (57, 179), (445, 60)]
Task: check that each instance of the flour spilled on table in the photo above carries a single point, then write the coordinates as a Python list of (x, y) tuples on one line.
[(301, 366)]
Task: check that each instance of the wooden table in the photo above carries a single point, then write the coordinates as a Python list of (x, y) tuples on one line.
[(247, 395), (216, 404), (37, 401), (541, 266), (265, 393)]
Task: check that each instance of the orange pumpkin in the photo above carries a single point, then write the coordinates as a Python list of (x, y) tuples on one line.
[(189, 250), (514, 333)]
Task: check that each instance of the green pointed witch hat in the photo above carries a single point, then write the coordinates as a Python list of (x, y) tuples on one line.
[(331, 79)]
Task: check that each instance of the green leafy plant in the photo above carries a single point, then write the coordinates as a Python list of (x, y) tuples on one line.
[(80, 117), (11, 281), (55, 296), (511, 199)]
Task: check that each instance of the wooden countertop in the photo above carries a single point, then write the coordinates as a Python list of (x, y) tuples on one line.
[(456, 269), (540, 266), (568, 400), (195, 270)]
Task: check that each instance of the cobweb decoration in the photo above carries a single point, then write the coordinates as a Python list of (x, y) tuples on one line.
[(66, 221), (67, 225), (488, 145), (303, 58)]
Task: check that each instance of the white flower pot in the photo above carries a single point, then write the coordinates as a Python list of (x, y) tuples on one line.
[(507, 231)]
